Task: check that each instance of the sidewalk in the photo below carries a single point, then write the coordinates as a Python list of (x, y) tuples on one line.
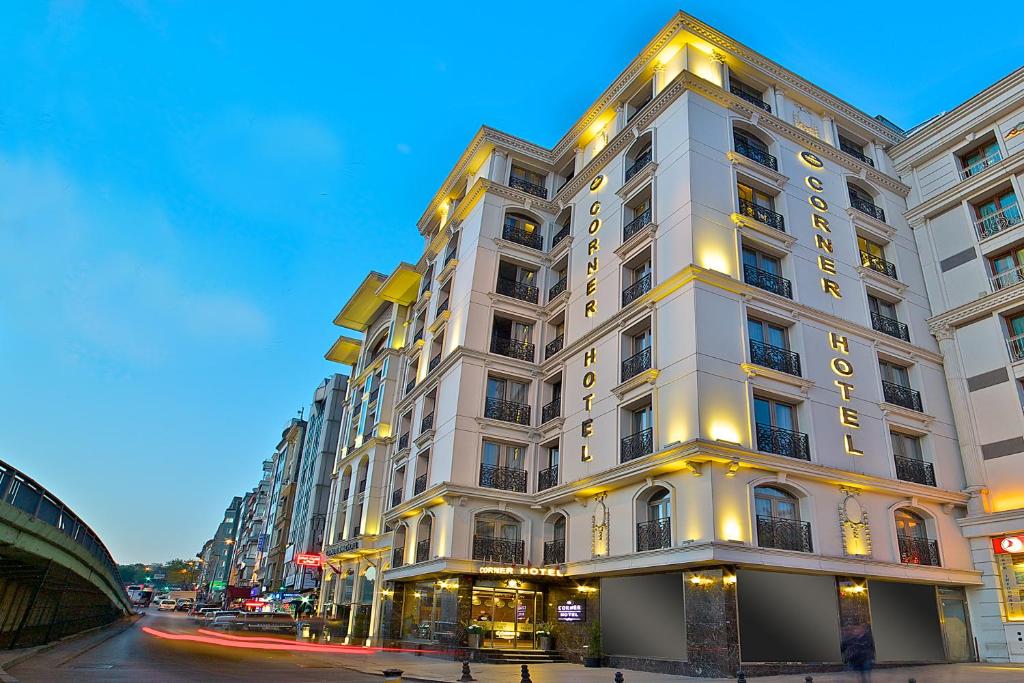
[(79, 643)]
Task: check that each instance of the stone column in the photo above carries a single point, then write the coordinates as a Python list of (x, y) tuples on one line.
[(498, 166), (719, 59), (659, 78), (620, 117), (712, 629), (778, 99), (828, 133)]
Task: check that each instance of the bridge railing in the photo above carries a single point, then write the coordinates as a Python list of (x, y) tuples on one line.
[(30, 497)]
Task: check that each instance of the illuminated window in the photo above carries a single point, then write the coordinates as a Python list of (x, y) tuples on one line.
[(1011, 582)]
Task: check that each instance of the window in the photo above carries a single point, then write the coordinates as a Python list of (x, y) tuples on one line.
[(881, 307), (884, 318), (654, 520), (764, 271), (774, 413), (894, 374), (871, 253), (641, 342), (912, 537), (778, 520), (502, 467), (497, 538), (522, 229), (979, 158), (761, 261), (755, 197), (754, 149), (997, 214), (1007, 268), (507, 401), (504, 455), (642, 419), (760, 206), (548, 471), (528, 181), (659, 506), (910, 462), (772, 502), (767, 333), (747, 92)]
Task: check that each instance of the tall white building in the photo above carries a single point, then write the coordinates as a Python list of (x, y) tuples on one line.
[(671, 377), (965, 170)]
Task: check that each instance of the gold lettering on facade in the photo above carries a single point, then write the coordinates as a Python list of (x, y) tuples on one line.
[(831, 287), (593, 247), (587, 428), (589, 379)]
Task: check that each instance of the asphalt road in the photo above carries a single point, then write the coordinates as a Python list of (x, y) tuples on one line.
[(134, 655)]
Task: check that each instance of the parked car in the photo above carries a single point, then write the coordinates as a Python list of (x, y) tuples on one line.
[(201, 615), (166, 605), (226, 619), (184, 605), (277, 622)]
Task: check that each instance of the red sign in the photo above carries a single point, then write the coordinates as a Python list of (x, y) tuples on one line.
[(1008, 544), (307, 560), (255, 603)]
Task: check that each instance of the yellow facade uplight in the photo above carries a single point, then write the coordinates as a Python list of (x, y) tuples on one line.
[(723, 430), (729, 579), (713, 258), (666, 55), (731, 529)]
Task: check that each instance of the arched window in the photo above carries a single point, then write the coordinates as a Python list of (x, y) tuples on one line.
[(398, 547), (639, 155), (778, 520), (496, 538), (754, 147), (423, 538), (522, 229), (863, 199), (915, 546), (654, 519), (554, 546)]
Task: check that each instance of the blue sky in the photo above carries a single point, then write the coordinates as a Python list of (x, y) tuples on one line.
[(190, 190)]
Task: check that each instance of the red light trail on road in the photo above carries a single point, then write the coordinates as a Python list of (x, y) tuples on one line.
[(264, 643)]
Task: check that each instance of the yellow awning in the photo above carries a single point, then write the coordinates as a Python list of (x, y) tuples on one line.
[(363, 305), (402, 286), (345, 350)]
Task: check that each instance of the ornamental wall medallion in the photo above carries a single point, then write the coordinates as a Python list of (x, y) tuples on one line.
[(806, 121), (853, 524)]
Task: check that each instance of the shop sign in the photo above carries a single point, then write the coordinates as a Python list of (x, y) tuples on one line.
[(307, 560), (513, 570), (342, 547), (1008, 545), (571, 612), (590, 309)]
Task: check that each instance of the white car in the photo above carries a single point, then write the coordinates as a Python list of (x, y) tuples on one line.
[(166, 605)]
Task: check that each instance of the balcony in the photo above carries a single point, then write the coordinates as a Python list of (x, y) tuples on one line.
[(507, 411), (864, 206), (980, 165), (654, 534), (751, 97), (420, 485), (518, 290), (775, 357), (434, 362), (781, 441), (554, 552), (396, 497), (917, 471), (558, 288), (769, 282), (398, 556), (427, 423), (636, 225), (890, 326), (362, 487), (449, 257), (637, 363), (637, 108), (410, 385), (637, 445), (403, 441), (554, 346), (498, 550), (878, 264), (856, 153), (784, 534), (504, 478), (441, 308), (418, 337), (512, 348), (423, 550), (756, 155), (638, 165), (551, 410), (762, 214), (1007, 278), (547, 478), (1015, 345), (636, 290), (513, 232), (995, 223), (918, 550), (900, 395), (528, 187)]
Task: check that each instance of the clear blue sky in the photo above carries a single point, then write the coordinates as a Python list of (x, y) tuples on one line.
[(190, 190)]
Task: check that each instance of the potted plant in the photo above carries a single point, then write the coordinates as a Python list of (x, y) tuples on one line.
[(475, 634), (593, 657), (545, 637)]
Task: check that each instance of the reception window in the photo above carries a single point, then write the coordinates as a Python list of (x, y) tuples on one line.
[(1011, 582)]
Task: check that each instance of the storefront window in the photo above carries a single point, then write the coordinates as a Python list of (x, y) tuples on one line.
[(430, 610), (1011, 578)]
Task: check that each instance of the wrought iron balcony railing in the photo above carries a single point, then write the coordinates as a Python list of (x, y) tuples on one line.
[(528, 187), (554, 346), (558, 288), (636, 225), (856, 153), (513, 232), (917, 471), (980, 165), (427, 423), (781, 441), (403, 441), (434, 362), (784, 534), (396, 497), (770, 282), (918, 550), (775, 357), (763, 214), (410, 385), (756, 155), (504, 478), (995, 223), (418, 336), (654, 534), (518, 290), (637, 445), (547, 478), (441, 308), (552, 410), (361, 488), (637, 109), (899, 395), (879, 264), (1015, 345), (638, 165), (507, 411), (752, 98), (864, 206), (423, 550), (637, 363), (890, 326), (512, 348), (559, 236), (636, 290), (503, 550), (1007, 278), (554, 552), (449, 257), (398, 556), (420, 485)]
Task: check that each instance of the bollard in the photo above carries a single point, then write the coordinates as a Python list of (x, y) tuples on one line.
[(466, 675), (619, 678), (394, 675), (911, 680), (741, 677), (526, 675), (808, 679)]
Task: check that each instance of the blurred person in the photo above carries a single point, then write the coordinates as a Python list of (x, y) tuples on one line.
[(859, 651)]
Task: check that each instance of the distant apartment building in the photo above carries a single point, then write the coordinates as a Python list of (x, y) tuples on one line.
[(217, 567), (251, 538), (286, 459), (965, 169)]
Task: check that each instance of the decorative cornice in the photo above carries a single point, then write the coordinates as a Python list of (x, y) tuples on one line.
[(801, 383), (979, 308), (635, 382), (955, 194), (633, 184), (751, 167), (763, 230)]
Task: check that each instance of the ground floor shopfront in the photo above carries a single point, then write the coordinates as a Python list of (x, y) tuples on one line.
[(997, 547), (705, 622)]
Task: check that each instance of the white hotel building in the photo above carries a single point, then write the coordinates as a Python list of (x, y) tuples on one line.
[(673, 376)]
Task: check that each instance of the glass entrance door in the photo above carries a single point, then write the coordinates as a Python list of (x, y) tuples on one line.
[(507, 616), (956, 629)]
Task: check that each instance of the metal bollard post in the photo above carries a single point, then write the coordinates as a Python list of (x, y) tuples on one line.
[(741, 677), (526, 675), (394, 675), (808, 679), (619, 678), (466, 675)]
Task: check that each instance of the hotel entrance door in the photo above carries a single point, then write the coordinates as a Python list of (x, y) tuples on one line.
[(508, 616)]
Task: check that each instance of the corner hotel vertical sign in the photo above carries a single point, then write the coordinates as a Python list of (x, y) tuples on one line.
[(589, 311), (841, 366)]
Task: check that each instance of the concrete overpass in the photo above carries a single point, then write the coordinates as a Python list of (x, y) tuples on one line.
[(56, 576)]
